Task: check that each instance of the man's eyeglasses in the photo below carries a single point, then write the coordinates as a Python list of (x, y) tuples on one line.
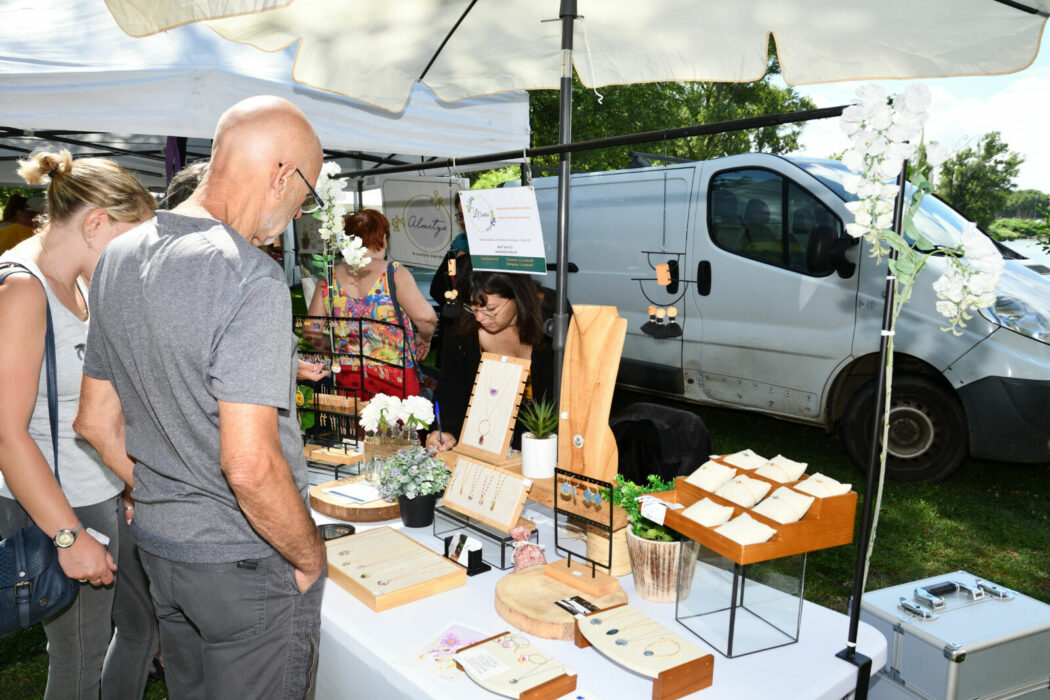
[(313, 201), (486, 312)]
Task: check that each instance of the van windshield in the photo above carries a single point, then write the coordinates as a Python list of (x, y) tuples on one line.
[(935, 221)]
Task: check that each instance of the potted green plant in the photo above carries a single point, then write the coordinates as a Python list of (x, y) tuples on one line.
[(539, 444), (415, 477), (654, 549)]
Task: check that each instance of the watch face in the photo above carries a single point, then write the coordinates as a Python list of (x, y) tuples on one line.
[(65, 538)]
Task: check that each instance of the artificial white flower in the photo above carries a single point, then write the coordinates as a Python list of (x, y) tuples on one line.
[(870, 94), (381, 412), (935, 153), (917, 97), (416, 413)]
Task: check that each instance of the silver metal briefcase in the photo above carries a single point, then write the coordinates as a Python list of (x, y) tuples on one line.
[(959, 637)]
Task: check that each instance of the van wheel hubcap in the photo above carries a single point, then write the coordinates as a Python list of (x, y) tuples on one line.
[(912, 430)]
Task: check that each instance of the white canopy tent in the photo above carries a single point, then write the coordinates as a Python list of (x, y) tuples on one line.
[(69, 74)]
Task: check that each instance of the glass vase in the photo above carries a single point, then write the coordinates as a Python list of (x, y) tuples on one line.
[(385, 443)]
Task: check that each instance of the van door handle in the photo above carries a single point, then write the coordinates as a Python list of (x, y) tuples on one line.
[(703, 278), (553, 267)]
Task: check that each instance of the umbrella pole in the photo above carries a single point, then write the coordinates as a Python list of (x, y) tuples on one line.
[(567, 14), (873, 482)]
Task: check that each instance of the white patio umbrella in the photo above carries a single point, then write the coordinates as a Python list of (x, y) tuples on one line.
[(375, 51)]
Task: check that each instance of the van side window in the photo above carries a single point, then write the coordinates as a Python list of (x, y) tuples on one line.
[(764, 216)]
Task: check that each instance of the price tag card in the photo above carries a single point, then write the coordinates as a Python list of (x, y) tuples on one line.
[(480, 664)]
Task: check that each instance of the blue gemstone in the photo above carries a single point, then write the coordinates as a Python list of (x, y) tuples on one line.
[(614, 630), (621, 642), (648, 652), (596, 620)]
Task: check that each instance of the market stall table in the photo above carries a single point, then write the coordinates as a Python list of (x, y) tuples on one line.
[(364, 654)]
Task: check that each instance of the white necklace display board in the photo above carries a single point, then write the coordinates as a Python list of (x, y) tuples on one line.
[(489, 423), (489, 494), (383, 568), (639, 643), (509, 665)]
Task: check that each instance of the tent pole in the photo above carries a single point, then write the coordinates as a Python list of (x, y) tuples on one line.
[(561, 309), (873, 482)]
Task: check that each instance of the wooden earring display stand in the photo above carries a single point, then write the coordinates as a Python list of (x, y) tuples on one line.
[(530, 674), (640, 644)]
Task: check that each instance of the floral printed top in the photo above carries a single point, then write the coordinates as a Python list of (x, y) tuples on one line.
[(381, 342)]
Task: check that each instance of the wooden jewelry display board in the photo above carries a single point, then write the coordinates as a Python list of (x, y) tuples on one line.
[(383, 568), (489, 423), (509, 665), (491, 495), (592, 358), (643, 645)]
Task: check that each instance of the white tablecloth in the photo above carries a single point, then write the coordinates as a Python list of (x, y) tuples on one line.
[(365, 654)]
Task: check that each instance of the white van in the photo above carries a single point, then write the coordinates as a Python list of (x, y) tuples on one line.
[(781, 312)]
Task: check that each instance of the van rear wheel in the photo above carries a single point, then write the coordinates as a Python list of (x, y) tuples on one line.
[(928, 439)]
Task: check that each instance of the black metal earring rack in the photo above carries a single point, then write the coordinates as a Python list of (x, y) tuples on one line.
[(563, 476), (672, 288)]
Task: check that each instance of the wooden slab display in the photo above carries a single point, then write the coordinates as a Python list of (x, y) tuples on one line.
[(579, 576), (502, 649), (489, 494), (384, 568), (489, 424), (526, 599), (827, 523), (341, 509), (592, 359), (638, 643)]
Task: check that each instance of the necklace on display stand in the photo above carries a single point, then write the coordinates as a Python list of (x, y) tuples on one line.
[(491, 403), (499, 489), (489, 478), (474, 484)]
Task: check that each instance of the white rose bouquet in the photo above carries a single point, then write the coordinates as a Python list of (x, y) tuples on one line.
[(416, 413)]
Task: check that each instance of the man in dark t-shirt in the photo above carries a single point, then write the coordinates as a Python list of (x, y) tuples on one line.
[(191, 348)]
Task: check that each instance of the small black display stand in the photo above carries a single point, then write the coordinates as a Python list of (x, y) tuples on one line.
[(475, 565), (577, 509), (497, 547)]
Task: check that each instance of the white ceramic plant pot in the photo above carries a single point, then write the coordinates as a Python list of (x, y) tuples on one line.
[(538, 457)]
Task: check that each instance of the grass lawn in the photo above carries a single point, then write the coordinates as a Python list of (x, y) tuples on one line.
[(990, 519)]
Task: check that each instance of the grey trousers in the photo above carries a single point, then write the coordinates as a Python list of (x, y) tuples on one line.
[(84, 653), (235, 630)]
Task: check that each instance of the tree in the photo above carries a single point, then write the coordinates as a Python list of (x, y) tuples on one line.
[(631, 109), (1026, 204), (976, 181)]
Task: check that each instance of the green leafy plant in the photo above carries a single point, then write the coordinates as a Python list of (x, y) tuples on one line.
[(540, 418), (626, 492), (412, 472)]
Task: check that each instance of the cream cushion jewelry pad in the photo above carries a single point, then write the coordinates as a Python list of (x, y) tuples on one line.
[(782, 470), (744, 491), (711, 475), (785, 506), (708, 513), (822, 486), (746, 530), (745, 459)]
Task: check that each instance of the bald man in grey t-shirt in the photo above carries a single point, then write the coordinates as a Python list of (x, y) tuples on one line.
[(191, 347)]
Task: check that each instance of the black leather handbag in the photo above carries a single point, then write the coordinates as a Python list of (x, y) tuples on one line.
[(33, 586)]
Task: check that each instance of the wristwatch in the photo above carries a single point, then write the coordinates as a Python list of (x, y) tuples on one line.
[(65, 538)]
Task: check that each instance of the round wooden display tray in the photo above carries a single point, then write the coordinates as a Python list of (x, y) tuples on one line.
[(335, 507), (526, 598)]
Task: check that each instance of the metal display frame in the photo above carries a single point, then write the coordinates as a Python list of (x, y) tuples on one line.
[(606, 528)]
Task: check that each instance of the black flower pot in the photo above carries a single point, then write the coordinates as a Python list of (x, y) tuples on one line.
[(418, 511)]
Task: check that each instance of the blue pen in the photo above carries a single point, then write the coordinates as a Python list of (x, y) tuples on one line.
[(437, 417)]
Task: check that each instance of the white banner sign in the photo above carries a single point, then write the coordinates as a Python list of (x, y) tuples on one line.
[(503, 228), (421, 211)]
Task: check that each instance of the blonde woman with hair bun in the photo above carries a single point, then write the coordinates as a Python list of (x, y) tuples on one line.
[(89, 203)]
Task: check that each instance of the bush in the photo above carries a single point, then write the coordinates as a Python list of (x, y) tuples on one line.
[(1013, 229)]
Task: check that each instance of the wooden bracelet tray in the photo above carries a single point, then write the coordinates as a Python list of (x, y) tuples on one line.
[(642, 645), (341, 509), (384, 568), (560, 680), (827, 523)]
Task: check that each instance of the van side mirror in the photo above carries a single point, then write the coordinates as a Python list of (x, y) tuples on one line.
[(826, 253)]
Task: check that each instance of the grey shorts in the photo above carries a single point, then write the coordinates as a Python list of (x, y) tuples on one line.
[(237, 629)]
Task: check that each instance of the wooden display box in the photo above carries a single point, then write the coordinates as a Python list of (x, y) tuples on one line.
[(345, 553), (827, 523)]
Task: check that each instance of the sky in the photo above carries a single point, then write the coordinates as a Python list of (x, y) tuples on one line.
[(962, 110)]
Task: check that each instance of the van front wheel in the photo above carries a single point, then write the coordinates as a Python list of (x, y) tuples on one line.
[(928, 438)]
